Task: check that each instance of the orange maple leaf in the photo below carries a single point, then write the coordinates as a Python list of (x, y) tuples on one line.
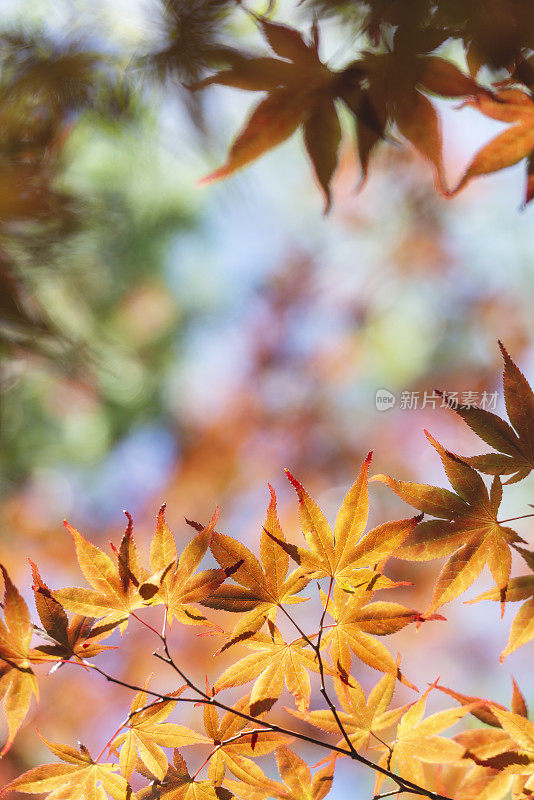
[(512, 145), (297, 776), (147, 733), (348, 554), (118, 590), (417, 742), (273, 663), (467, 528), (482, 711), (78, 778), (179, 785), (17, 680), (264, 586), (236, 742), (182, 586), (522, 629), (361, 717), (115, 591), (77, 639), (356, 622), (515, 444)]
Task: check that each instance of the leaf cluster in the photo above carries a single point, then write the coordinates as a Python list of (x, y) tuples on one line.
[(397, 68), (348, 564)]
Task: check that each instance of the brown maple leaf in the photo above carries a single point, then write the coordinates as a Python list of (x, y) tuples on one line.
[(467, 528), (512, 145), (17, 680), (390, 89), (77, 639), (515, 445), (301, 91), (378, 89)]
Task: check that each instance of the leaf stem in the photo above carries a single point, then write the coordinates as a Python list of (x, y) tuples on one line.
[(513, 519)]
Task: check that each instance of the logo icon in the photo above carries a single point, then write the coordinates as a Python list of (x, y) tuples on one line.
[(384, 399)]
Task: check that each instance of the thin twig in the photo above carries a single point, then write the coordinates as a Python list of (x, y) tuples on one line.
[(231, 739), (316, 647)]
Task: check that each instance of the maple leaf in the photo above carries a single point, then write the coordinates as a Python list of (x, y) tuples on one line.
[(467, 528), (147, 732), (417, 742), (512, 145), (235, 743), (361, 717), (115, 591), (482, 783), (182, 586), (378, 89), (301, 91), (76, 639), (118, 590), (297, 776), (521, 731), (356, 622), (390, 89), (522, 629), (482, 711), (179, 785), (347, 555), (515, 444), (273, 663), (78, 778), (481, 744), (17, 680), (264, 586), (298, 782)]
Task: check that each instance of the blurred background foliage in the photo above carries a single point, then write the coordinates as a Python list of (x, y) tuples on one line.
[(163, 342)]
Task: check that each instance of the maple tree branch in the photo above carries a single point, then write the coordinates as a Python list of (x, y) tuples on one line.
[(403, 784), (385, 794)]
